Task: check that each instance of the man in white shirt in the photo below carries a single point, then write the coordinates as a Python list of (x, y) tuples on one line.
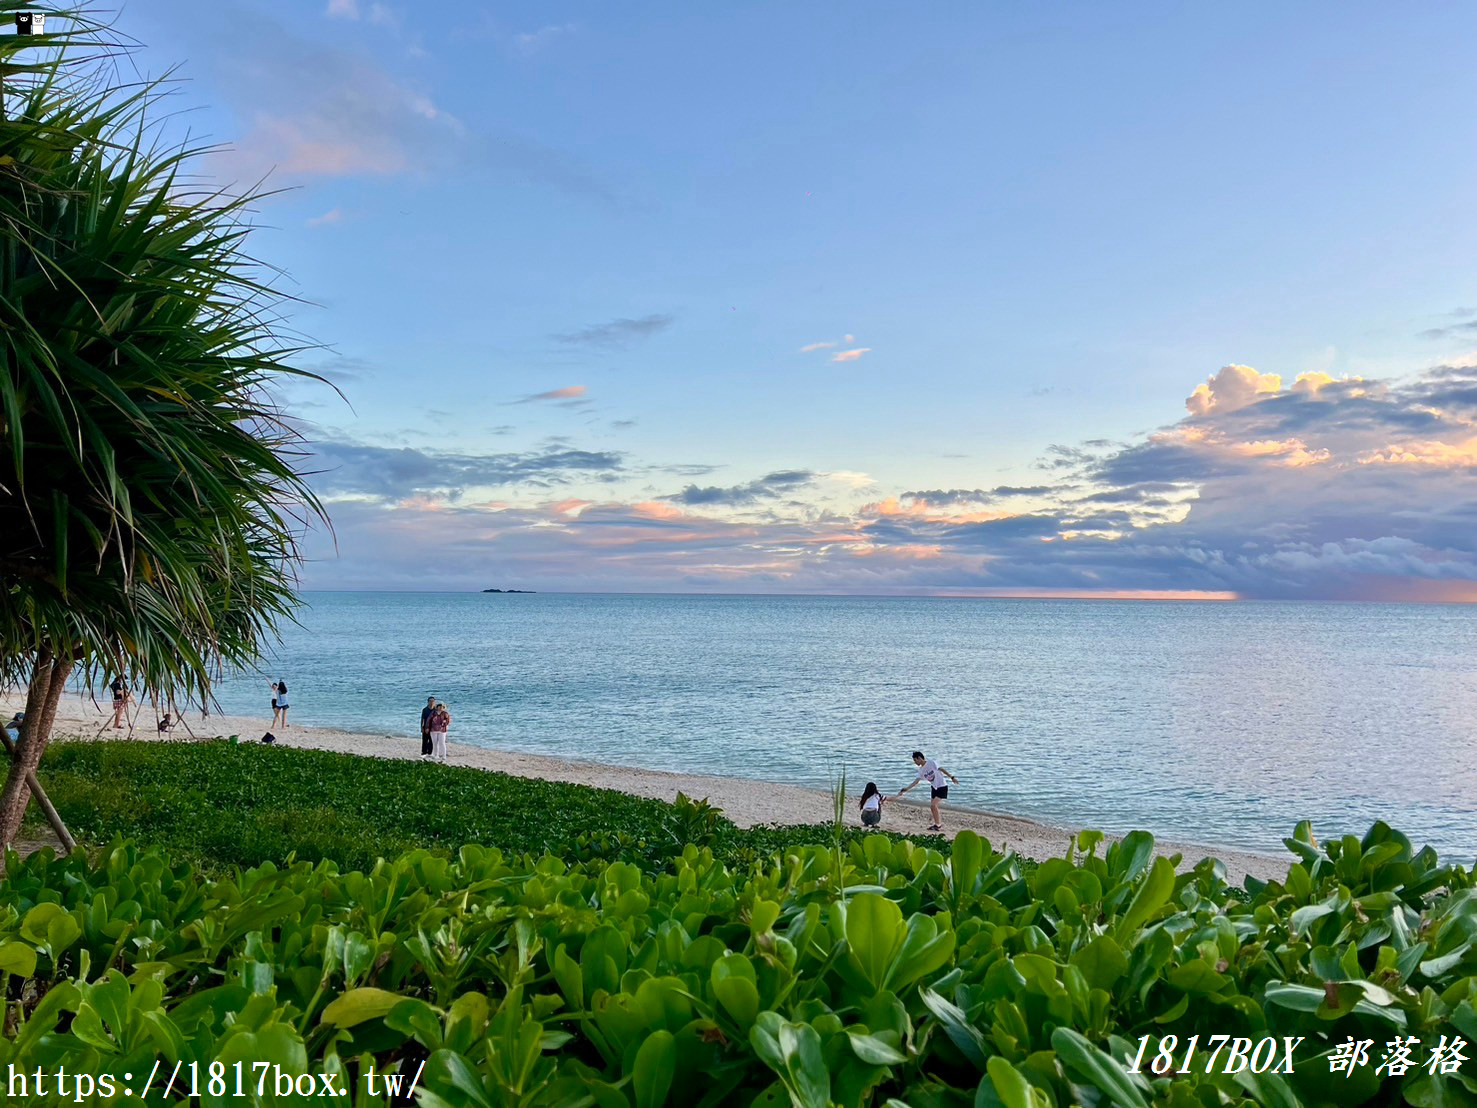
[(933, 773)]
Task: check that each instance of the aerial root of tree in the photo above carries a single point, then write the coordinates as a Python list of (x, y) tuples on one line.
[(48, 682)]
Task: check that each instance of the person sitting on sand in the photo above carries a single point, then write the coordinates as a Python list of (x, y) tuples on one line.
[(934, 774), (872, 801), (440, 724), (166, 724)]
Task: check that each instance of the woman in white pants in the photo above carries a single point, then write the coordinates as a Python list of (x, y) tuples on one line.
[(440, 724)]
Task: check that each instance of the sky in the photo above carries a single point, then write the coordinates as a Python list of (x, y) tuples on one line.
[(1142, 299)]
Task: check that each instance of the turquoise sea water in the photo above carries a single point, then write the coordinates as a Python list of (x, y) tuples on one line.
[(1214, 723)]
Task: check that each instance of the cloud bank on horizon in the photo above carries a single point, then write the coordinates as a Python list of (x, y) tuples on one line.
[(1325, 488)]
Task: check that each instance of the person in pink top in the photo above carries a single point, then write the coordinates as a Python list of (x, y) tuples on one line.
[(440, 724)]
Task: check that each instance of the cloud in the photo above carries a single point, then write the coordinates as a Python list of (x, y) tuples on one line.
[(531, 41), (616, 333), (1466, 327), (978, 496), (766, 487), (569, 392), (841, 356), (310, 109), (1439, 455), (333, 215), (342, 469), (343, 370), (847, 478), (1234, 386), (1338, 488)]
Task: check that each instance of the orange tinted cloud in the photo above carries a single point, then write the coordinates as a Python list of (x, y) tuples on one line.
[(652, 509), (919, 509), (1291, 452), (1437, 455)]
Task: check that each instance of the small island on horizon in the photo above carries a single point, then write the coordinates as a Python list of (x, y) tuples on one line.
[(509, 590)]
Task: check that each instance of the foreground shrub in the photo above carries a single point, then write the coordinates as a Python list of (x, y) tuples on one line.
[(218, 804), (830, 976)]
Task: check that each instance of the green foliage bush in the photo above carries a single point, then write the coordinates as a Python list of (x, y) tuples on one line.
[(876, 973), (219, 804)]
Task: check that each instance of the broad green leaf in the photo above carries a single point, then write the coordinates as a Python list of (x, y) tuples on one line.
[(874, 1050), (966, 862), (874, 932), (1102, 962), (1096, 1067), (656, 1064), (358, 1005), (1011, 1087), (18, 958), (1152, 895)]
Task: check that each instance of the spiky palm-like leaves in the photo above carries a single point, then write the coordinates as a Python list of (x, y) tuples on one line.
[(150, 501)]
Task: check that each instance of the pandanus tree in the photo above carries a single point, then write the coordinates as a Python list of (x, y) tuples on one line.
[(151, 497)]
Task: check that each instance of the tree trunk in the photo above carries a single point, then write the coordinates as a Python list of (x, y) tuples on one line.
[(68, 843), (48, 681)]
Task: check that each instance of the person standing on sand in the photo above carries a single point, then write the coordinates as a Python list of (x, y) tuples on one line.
[(426, 713), (440, 724), (279, 704), (121, 693), (934, 774)]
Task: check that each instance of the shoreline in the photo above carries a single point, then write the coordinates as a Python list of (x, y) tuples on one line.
[(745, 801)]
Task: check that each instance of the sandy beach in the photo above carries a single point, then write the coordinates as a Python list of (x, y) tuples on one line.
[(748, 803)]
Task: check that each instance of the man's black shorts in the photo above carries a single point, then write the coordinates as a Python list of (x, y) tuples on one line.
[(941, 793)]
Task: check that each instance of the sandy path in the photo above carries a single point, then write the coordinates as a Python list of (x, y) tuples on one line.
[(745, 802)]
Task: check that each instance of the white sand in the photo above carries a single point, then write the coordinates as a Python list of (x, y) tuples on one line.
[(747, 803)]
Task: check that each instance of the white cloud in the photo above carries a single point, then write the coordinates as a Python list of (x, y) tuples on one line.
[(530, 41), (1232, 387)]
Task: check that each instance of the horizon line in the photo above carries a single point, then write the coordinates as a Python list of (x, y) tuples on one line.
[(1136, 595)]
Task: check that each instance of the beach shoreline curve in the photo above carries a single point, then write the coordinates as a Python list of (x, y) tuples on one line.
[(745, 801)]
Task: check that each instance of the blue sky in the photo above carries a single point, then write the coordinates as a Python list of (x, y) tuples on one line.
[(692, 296)]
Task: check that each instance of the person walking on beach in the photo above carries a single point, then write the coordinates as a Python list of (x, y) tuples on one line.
[(279, 704), (872, 801), (121, 694), (933, 773), (440, 724), (426, 713)]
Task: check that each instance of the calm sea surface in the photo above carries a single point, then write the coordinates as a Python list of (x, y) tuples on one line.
[(1216, 723)]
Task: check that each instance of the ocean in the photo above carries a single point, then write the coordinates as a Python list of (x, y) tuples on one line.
[(1213, 723)]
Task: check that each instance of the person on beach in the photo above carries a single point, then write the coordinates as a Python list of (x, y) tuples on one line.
[(279, 704), (426, 713), (934, 774), (440, 724), (120, 701), (872, 801)]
